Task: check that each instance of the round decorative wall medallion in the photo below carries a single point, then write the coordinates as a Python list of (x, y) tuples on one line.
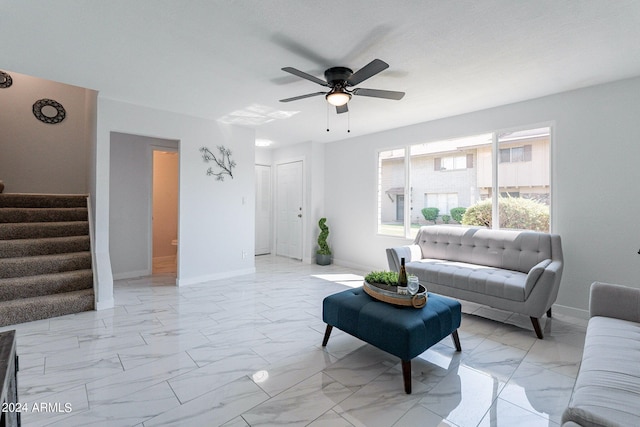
[(49, 111), (5, 80)]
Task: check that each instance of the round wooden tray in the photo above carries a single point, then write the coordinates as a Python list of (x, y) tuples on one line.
[(418, 300)]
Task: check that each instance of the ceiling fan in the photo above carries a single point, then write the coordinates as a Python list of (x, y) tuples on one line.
[(340, 79)]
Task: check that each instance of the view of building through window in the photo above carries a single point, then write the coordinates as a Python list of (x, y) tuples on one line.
[(454, 182), (391, 192)]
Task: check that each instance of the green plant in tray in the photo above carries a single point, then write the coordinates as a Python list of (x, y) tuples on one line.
[(389, 278)]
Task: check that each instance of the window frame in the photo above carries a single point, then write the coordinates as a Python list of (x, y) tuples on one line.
[(495, 159)]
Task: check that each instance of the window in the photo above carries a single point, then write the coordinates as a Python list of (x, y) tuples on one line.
[(462, 173), (443, 201), (515, 154), (450, 163)]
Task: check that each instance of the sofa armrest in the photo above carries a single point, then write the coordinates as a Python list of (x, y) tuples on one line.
[(617, 301), (547, 273), (409, 253)]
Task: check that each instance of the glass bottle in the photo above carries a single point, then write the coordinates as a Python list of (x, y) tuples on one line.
[(402, 275)]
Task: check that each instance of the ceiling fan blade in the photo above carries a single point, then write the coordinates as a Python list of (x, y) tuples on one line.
[(377, 93), (369, 70), (293, 46), (342, 109), (309, 95), (304, 75)]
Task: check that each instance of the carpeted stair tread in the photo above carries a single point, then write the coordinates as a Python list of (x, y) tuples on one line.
[(44, 307), (45, 257), (44, 264), (47, 246), (42, 215), (28, 200), (32, 230), (45, 284)]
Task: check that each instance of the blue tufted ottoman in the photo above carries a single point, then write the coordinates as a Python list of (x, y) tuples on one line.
[(402, 331)]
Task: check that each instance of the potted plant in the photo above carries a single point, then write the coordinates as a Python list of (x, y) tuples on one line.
[(323, 254), (387, 280), (383, 286)]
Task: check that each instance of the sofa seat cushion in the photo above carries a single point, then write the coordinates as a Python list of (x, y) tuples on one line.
[(608, 386), (493, 281)]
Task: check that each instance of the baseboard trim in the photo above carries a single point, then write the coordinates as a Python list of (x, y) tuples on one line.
[(361, 267), (105, 305), (212, 277), (571, 311), (131, 274)]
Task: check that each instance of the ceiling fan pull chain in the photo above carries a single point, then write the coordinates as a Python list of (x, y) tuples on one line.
[(327, 117), (348, 121)]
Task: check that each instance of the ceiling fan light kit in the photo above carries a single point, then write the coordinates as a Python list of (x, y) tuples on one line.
[(339, 79), (338, 97)]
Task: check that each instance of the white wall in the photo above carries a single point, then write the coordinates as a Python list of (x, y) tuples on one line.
[(312, 155), (37, 157), (596, 147), (216, 218), (263, 156)]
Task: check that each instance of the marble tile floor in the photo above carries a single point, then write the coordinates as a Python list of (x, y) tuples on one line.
[(247, 352)]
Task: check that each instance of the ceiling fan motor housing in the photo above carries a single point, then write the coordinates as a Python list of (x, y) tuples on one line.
[(338, 76)]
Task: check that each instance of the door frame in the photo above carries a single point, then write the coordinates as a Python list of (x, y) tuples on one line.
[(304, 204), (271, 203)]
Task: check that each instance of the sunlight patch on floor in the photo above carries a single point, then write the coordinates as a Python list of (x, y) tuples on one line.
[(347, 279)]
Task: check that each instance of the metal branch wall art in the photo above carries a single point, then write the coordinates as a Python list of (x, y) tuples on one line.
[(222, 161)]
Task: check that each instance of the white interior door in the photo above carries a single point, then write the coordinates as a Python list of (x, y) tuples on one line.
[(289, 210), (263, 209)]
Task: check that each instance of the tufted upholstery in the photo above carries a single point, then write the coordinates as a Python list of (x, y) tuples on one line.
[(402, 331), (607, 390), (505, 249), (512, 270)]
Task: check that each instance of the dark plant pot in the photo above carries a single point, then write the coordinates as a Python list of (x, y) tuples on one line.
[(322, 259)]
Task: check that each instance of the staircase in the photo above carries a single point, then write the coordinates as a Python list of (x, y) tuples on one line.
[(45, 257)]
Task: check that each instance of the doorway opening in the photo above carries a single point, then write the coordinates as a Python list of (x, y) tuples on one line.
[(131, 203), (165, 210)]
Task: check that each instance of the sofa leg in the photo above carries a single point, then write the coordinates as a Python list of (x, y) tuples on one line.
[(327, 332), (406, 375), (536, 326), (549, 312), (456, 340)]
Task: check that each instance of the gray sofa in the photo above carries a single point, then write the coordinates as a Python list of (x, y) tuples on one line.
[(607, 390), (517, 271)]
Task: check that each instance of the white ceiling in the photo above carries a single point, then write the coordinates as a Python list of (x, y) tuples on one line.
[(218, 59)]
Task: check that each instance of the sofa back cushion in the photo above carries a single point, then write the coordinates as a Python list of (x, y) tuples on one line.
[(508, 249)]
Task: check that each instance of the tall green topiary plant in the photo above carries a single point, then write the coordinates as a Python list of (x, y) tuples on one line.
[(323, 254), (323, 246)]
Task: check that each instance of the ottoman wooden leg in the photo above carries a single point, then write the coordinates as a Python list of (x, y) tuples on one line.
[(406, 375), (456, 340), (327, 332)]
